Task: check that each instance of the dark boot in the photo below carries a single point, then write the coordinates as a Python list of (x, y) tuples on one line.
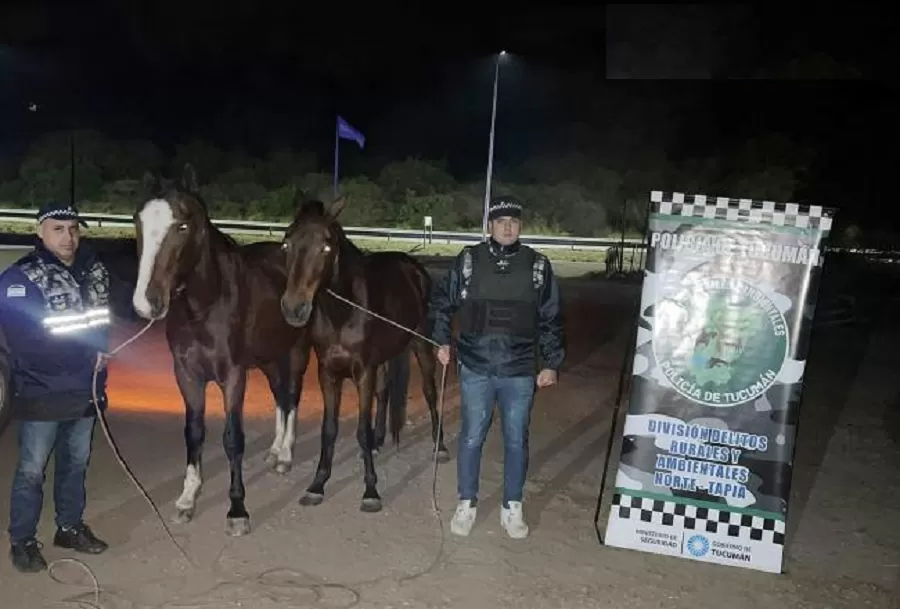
[(79, 538), (26, 556)]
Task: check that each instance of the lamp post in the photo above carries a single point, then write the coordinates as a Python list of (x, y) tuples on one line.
[(490, 163)]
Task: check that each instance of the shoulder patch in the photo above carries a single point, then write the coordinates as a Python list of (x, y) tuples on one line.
[(16, 290), (467, 263)]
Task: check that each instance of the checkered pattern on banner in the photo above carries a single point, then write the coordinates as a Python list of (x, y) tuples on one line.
[(745, 210), (691, 517)]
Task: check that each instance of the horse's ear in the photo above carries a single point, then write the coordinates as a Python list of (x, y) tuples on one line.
[(150, 183), (189, 179), (337, 206)]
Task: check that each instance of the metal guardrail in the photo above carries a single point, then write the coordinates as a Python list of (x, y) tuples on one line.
[(360, 232), (251, 227)]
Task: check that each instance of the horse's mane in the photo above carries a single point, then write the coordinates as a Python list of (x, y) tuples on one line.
[(345, 241), (217, 233)]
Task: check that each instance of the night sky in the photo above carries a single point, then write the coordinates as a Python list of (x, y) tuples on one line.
[(614, 82)]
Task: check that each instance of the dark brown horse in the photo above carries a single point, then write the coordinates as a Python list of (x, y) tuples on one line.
[(221, 305), (351, 343)]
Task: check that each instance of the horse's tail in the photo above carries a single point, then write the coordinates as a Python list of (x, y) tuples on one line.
[(398, 381)]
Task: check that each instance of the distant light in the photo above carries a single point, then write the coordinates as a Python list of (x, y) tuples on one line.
[(503, 52)]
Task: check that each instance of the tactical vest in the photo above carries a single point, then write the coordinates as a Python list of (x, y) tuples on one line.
[(70, 307), (500, 296)]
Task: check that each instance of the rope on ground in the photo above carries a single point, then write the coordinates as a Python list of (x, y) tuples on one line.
[(96, 584)]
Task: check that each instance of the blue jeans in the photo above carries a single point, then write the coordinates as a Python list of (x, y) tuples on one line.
[(37, 439), (514, 397)]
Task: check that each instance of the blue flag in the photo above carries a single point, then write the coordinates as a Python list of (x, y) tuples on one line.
[(347, 132)]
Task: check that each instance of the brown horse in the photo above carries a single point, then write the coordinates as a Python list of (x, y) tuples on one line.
[(221, 305), (351, 343)]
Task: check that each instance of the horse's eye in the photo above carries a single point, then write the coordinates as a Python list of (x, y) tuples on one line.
[(284, 246), (182, 227), (326, 249)]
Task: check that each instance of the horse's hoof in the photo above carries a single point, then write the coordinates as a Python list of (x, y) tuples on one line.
[(443, 456), (310, 499), (271, 457), (183, 516), (370, 505), (235, 527), (283, 467)]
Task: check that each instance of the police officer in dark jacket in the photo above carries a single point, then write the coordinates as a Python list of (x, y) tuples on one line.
[(510, 341), (54, 313)]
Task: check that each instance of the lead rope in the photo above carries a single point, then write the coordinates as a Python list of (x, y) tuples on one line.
[(98, 366), (436, 510), (434, 501), (102, 358)]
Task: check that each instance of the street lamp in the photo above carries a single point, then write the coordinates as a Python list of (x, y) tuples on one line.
[(490, 164)]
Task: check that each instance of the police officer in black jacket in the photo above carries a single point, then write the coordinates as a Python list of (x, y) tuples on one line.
[(510, 342)]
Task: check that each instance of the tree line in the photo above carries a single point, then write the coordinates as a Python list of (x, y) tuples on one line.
[(573, 195)]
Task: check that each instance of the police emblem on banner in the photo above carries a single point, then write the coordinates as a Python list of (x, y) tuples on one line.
[(720, 341)]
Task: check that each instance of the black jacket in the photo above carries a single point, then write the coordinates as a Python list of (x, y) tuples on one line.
[(501, 354)]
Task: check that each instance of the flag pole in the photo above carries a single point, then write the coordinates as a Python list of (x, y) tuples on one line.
[(337, 144)]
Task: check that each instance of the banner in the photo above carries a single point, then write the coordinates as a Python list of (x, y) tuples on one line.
[(726, 311)]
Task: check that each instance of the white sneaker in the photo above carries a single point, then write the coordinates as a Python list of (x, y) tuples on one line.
[(512, 520), (463, 519)]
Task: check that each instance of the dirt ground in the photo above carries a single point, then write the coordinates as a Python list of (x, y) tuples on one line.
[(843, 543)]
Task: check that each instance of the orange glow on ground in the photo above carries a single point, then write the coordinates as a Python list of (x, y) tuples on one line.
[(141, 379)]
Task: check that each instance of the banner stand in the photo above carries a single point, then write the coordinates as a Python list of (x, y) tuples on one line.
[(719, 348)]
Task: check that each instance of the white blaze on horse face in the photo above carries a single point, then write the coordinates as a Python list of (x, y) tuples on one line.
[(192, 483), (156, 219)]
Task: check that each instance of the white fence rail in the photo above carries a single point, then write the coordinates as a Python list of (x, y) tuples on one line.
[(382, 234)]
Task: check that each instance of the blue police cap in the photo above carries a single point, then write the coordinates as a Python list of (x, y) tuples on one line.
[(504, 206), (59, 211)]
